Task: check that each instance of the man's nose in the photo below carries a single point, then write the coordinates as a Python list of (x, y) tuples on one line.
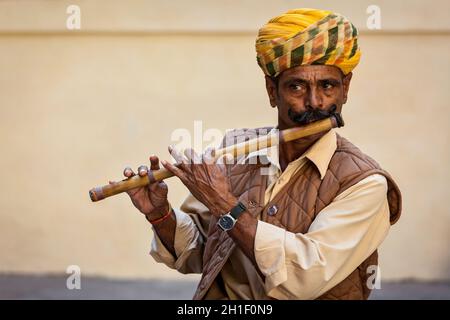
[(314, 99)]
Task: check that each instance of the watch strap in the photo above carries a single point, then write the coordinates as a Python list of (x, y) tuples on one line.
[(237, 210)]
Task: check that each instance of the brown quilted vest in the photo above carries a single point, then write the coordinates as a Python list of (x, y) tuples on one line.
[(298, 204)]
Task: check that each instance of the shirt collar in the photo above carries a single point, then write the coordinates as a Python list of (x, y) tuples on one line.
[(320, 153)]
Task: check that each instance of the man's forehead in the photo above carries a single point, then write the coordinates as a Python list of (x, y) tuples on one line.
[(312, 71)]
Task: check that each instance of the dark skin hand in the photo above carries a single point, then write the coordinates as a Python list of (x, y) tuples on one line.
[(300, 89)]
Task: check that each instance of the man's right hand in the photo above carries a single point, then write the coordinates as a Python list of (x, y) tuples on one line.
[(151, 200)]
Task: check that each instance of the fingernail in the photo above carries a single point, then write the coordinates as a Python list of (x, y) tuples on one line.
[(163, 162)]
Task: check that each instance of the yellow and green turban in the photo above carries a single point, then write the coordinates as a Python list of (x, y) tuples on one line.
[(307, 37)]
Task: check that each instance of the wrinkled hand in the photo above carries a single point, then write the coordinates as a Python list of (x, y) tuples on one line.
[(205, 179), (151, 200)]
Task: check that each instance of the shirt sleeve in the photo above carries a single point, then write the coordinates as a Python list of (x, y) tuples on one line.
[(189, 239), (341, 237)]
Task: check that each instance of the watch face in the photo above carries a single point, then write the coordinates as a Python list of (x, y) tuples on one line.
[(226, 222)]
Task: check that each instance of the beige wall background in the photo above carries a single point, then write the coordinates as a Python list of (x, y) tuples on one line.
[(77, 106)]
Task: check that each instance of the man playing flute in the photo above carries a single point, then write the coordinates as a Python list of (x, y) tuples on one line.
[(311, 228)]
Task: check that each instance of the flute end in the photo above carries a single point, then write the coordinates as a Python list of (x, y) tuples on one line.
[(96, 194), (339, 121)]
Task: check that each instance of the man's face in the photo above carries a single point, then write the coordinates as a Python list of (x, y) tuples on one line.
[(306, 93)]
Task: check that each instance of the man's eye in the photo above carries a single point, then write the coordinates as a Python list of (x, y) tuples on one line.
[(295, 87), (327, 85)]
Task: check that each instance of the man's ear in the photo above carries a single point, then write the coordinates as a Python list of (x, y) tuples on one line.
[(346, 83), (271, 88)]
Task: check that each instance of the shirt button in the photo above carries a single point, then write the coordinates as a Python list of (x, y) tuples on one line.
[(272, 210)]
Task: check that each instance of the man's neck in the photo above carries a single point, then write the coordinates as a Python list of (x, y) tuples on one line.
[(292, 150)]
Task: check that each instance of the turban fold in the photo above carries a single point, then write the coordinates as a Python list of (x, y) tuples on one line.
[(307, 37)]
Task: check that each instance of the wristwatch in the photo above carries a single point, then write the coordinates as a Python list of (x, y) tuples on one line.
[(228, 220)]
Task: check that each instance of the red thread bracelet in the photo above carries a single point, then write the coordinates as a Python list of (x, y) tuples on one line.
[(164, 217)]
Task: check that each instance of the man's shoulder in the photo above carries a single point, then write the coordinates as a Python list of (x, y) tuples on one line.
[(347, 151), (349, 165)]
